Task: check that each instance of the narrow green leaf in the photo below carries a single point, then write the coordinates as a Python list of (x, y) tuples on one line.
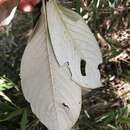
[(24, 121), (36, 12), (12, 115), (78, 6), (5, 107), (113, 127), (98, 3)]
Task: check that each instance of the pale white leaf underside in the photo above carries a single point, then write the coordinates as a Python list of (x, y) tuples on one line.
[(73, 42), (54, 97)]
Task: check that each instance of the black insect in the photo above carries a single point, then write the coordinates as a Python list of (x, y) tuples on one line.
[(65, 105)]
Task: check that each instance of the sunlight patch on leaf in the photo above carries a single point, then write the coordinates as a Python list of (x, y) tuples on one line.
[(5, 83)]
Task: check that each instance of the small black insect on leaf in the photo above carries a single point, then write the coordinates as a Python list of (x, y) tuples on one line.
[(65, 105)]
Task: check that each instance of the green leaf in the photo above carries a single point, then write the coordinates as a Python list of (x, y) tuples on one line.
[(125, 120), (129, 29), (112, 127), (5, 107), (12, 115), (24, 121), (78, 6), (5, 83), (36, 12), (111, 116)]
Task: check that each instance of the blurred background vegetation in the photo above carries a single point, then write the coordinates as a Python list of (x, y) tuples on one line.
[(105, 108)]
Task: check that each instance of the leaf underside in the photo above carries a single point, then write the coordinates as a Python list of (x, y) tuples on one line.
[(74, 43), (54, 97), (56, 64)]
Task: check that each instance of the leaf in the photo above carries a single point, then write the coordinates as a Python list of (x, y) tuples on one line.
[(77, 2), (12, 115), (5, 83), (24, 121), (36, 13), (5, 107), (73, 43), (5, 97), (98, 3), (125, 120), (7, 11), (54, 97), (9, 18)]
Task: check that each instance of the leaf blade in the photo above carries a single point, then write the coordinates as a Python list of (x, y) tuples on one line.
[(24, 121), (72, 42), (47, 86)]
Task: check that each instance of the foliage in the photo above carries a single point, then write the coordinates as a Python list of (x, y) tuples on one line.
[(5, 83), (114, 120)]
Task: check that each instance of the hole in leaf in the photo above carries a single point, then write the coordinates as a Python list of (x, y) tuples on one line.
[(82, 67)]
